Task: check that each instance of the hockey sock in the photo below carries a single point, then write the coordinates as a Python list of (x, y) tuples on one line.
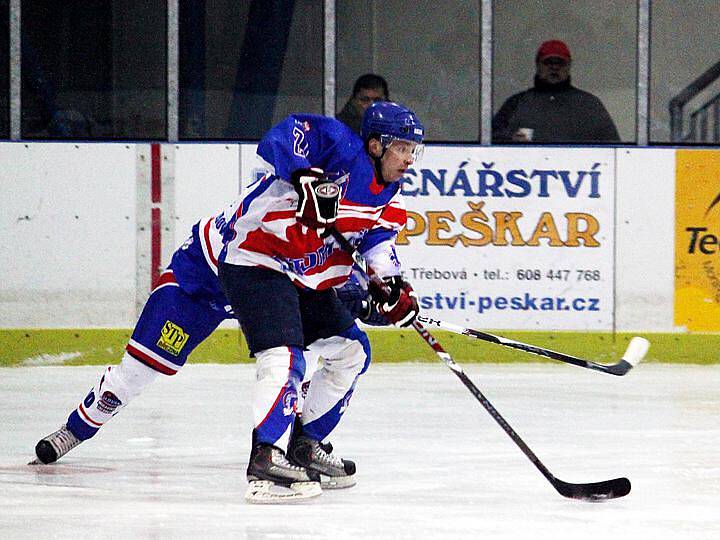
[(117, 386)]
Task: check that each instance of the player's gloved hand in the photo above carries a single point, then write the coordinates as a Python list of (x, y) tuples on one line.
[(357, 300), (318, 198), (396, 301), (354, 297), (372, 315)]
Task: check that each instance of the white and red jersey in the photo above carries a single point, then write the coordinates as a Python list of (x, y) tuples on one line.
[(262, 229)]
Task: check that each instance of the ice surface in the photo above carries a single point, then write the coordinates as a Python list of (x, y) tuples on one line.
[(431, 461)]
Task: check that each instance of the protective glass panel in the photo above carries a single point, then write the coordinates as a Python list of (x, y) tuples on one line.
[(600, 36), (94, 70), (245, 65), (4, 70), (427, 51), (685, 72)]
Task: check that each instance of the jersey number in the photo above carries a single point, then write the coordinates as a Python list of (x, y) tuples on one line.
[(300, 146)]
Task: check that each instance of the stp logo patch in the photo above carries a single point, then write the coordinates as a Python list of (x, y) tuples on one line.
[(173, 338)]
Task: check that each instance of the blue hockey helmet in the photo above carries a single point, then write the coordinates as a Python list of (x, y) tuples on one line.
[(388, 121)]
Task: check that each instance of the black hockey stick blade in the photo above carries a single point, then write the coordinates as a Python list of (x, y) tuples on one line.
[(619, 369), (595, 491)]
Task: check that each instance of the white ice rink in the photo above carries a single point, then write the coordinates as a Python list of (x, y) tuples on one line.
[(432, 463)]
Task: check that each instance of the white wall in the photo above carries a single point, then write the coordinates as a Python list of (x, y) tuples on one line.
[(207, 179), (67, 230), (68, 226), (645, 246)]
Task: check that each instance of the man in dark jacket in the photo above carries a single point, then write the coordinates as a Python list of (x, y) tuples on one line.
[(553, 111), (368, 89)]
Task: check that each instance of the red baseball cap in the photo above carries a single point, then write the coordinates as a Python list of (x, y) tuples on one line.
[(554, 47)]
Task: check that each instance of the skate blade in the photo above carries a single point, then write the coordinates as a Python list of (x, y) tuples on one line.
[(336, 482), (267, 492), (36, 461)]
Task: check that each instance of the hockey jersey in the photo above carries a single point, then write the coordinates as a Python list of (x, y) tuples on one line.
[(195, 266), (262, 230)]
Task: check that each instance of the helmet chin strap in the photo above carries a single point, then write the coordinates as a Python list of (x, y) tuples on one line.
[(377, 161)]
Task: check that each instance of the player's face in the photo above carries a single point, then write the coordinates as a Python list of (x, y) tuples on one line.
[(398, 158)]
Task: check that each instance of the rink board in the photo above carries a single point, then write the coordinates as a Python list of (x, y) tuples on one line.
[(526, 238), (33, 347)]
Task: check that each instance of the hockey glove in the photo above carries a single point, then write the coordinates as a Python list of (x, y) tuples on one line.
[(372, 315), (318, 198), (396, 301), (354, 297), (360, 305)]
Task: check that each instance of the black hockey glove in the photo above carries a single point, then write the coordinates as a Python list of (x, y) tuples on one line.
[(396, 300), (318, 198), (372, 316)]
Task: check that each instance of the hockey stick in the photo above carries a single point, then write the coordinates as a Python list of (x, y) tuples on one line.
[(594, 491), (636, 350)]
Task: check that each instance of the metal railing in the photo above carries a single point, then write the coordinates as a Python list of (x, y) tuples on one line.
[(704, 121)]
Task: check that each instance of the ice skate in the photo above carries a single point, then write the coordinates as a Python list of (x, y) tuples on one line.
[(331, 471), (51, 448), (273, 479)]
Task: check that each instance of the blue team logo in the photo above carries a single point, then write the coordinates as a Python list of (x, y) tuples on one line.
[(289, 402), (309, 261), (108, 402)]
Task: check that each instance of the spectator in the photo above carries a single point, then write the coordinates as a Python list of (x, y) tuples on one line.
[(368, 89), (553, 111)]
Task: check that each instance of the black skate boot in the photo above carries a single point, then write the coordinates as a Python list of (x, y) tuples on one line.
[(273, 479), (322, 465), (51, 448)]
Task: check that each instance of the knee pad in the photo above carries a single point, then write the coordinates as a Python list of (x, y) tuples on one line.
[(349, 351), (280, 364), (361, 339), (344, 360)]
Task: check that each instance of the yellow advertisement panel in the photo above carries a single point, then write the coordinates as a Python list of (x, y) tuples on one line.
[(697, 239)]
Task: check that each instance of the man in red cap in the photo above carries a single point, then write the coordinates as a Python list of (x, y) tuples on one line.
[(553, 110)]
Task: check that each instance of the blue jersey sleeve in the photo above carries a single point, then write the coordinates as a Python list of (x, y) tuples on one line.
[(375, 237), (308, 140)]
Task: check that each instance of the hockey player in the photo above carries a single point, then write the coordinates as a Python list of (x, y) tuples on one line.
[(279, 264), (188, 304), (184, 309)]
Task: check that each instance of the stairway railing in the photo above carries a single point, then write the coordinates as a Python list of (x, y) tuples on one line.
[(704, 125)]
